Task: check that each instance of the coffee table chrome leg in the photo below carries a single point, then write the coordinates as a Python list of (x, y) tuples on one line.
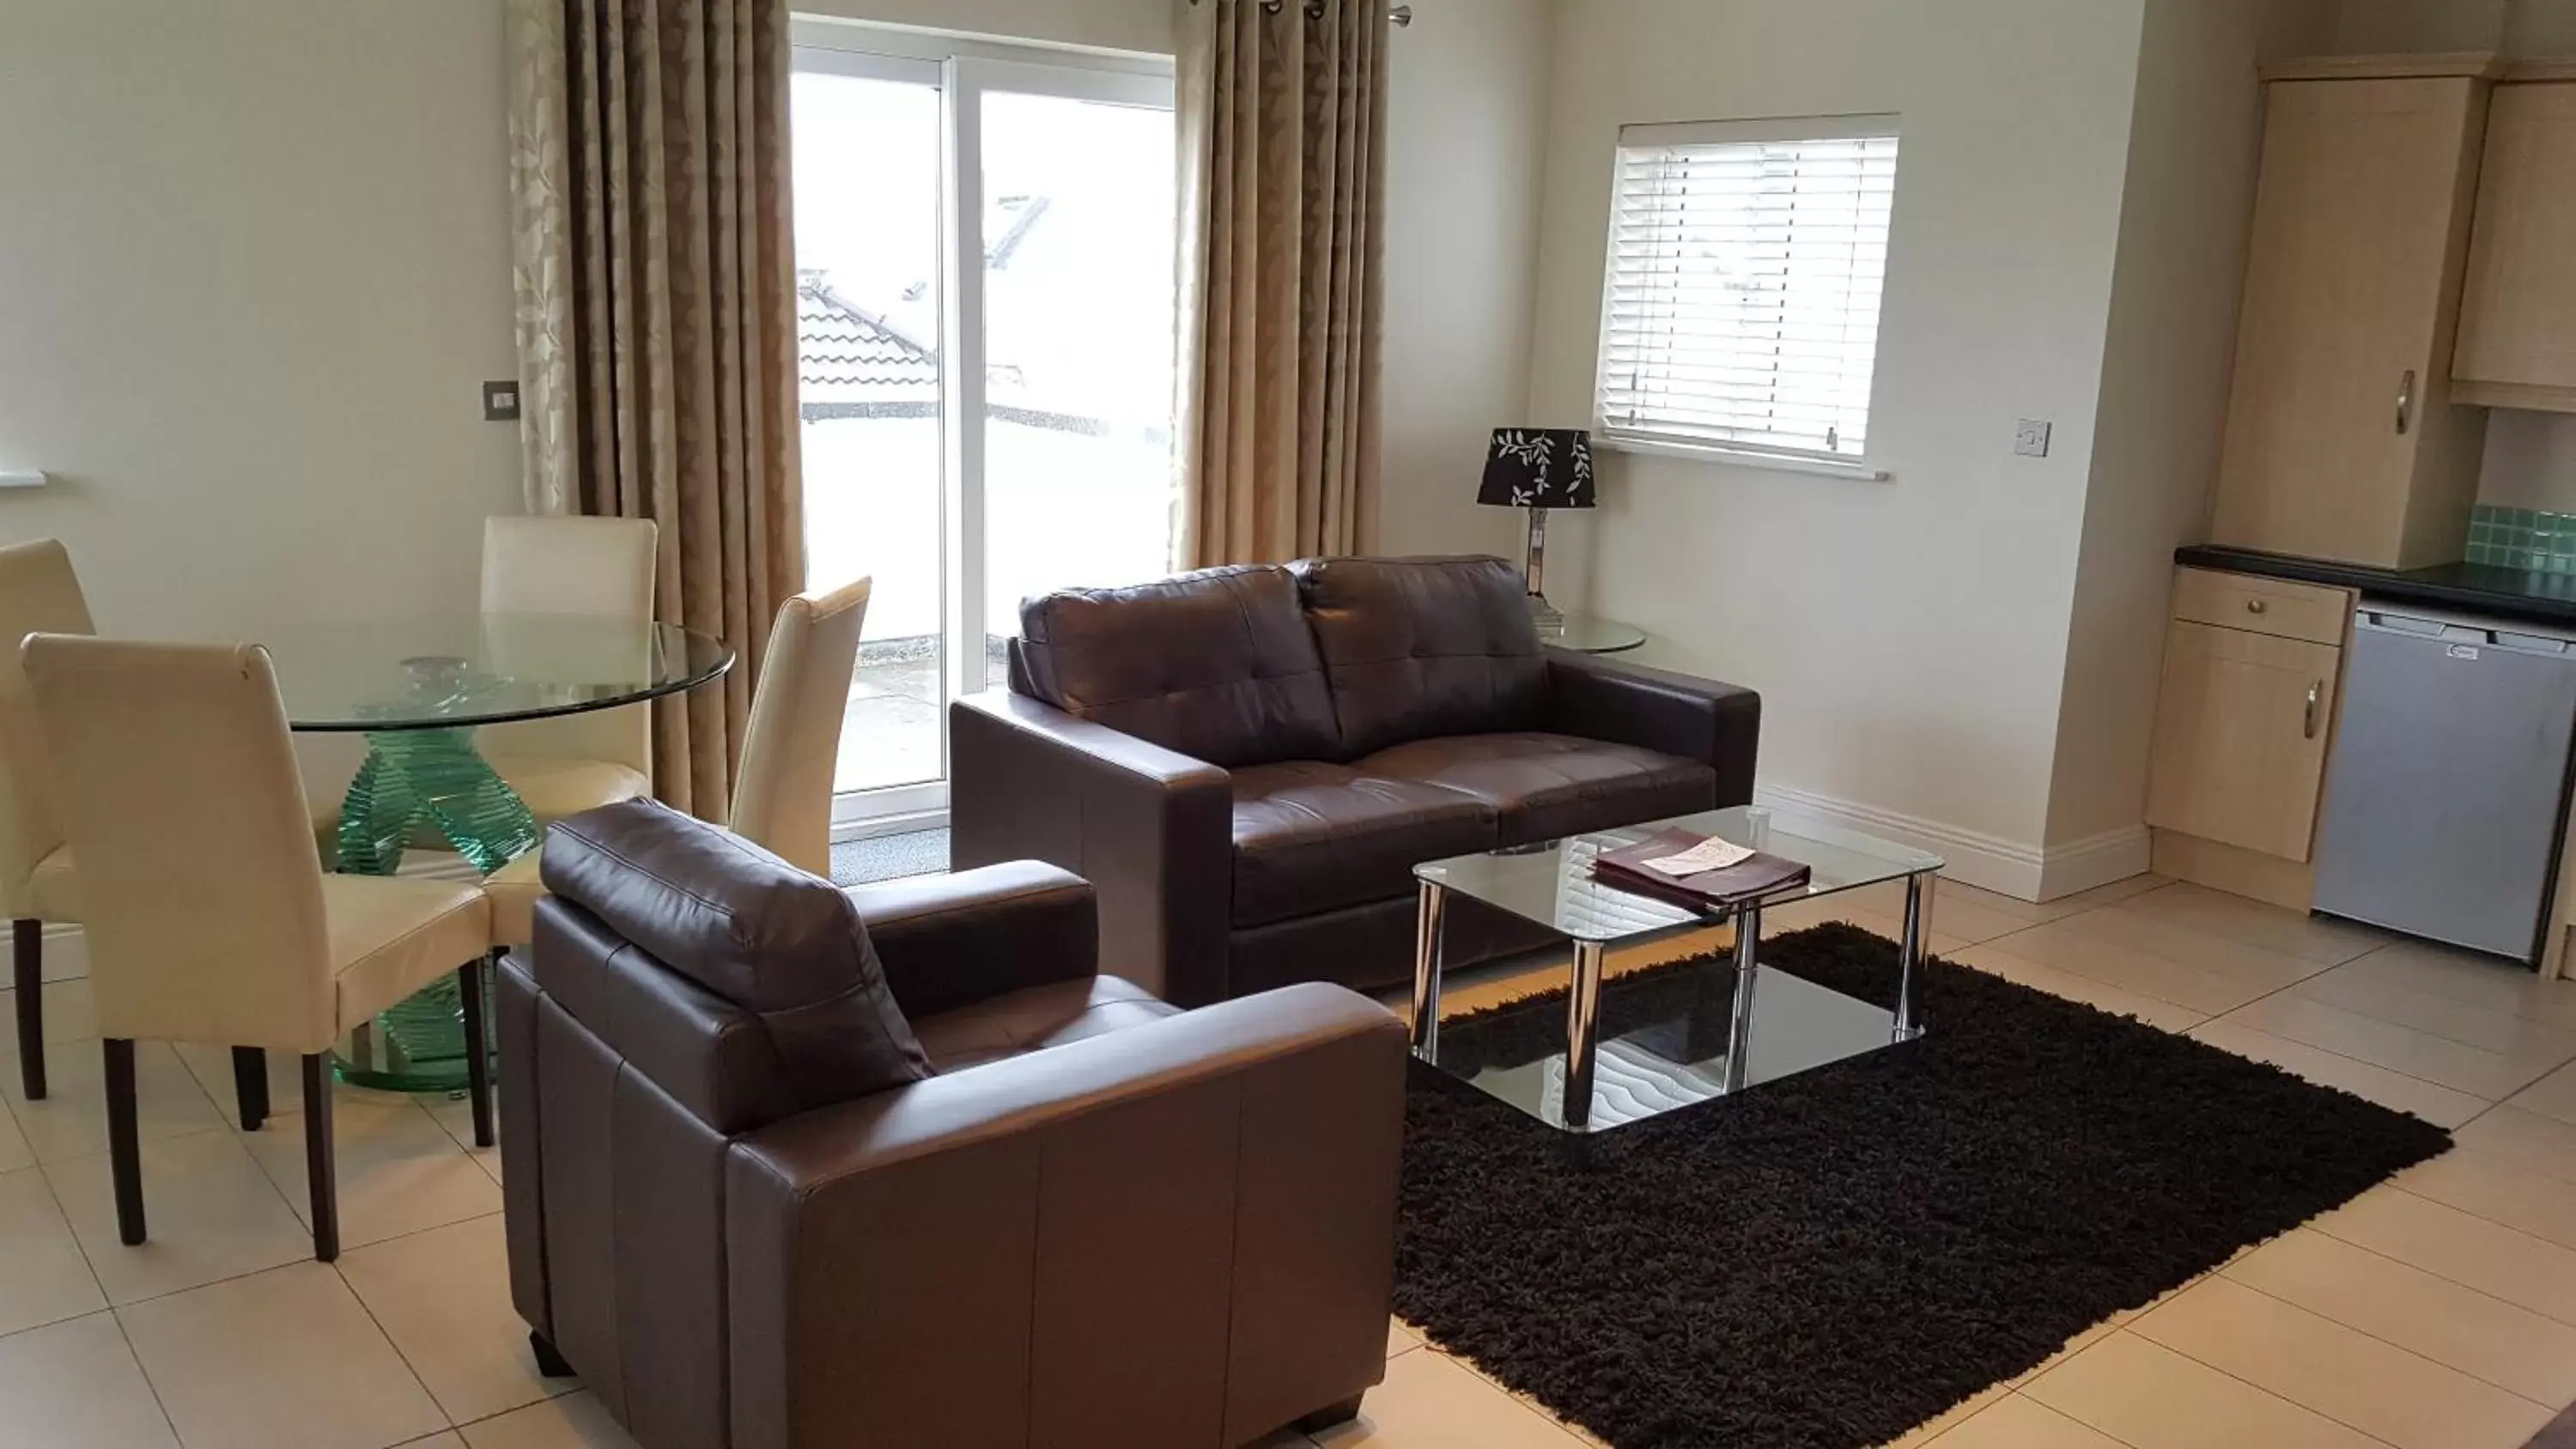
[(1425, 1024), (1582, 1031), (1739, 1043), (1918, 932)]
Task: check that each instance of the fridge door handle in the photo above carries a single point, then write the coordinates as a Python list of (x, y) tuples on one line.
[(2308, 718)]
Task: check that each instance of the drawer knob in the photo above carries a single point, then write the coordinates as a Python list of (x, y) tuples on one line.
[(2255, 606)]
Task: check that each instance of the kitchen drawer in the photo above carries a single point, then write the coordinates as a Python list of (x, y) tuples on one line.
[(2278, 607)]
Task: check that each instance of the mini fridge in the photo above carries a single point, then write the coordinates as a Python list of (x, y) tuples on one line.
[(2448, 788)]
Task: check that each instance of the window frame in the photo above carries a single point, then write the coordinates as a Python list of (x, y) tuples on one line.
[(1867, 464)]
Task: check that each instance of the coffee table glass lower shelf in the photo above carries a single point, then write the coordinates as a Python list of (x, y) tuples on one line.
[(1619, 1050)]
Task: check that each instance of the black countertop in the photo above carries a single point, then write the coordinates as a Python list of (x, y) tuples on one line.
[(2481, 588)]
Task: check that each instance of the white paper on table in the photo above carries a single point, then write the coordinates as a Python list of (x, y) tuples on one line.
[(1709, 854)]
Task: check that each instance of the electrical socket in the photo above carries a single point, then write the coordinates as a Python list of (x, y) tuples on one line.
[(2030, 438), (501, 402)]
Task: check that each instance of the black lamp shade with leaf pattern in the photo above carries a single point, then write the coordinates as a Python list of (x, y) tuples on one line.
[(1539, 468)]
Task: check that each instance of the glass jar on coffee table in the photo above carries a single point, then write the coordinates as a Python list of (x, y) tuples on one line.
[(1718, 1028)]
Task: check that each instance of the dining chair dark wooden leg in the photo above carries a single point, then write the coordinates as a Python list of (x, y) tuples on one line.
[(27, 983), (478, 1048), (318, 1168), (250, 1086), (124, 1139)]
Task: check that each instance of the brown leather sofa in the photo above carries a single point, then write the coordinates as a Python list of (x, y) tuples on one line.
[(1077, 1216), (1248, 762)]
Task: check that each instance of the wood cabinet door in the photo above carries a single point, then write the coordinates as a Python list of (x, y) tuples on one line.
[(2240, 744), (2343, 344), (2518, 312)]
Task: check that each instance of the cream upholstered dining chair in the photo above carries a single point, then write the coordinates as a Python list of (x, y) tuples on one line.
[(593, 568), (782, 791), (39, 593), (228, 931), (782, 794)]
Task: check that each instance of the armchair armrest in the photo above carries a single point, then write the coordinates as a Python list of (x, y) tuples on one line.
[(947, 941), (1657, 709), (1151, 829), (1123, 1239)]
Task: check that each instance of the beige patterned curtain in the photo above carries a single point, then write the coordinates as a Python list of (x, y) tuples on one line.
[(1283, 161), (656, 281)]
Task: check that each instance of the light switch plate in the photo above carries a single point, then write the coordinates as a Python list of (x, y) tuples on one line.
[(2030, 438), (501, 402)]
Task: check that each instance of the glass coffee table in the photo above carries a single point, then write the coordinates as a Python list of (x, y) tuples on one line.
[(1729, 1025)]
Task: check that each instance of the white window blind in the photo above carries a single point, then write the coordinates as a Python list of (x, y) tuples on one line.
[(1746, 263)]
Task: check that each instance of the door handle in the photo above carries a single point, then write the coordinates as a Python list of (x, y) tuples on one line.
[(2308, 717), (2405, 401)]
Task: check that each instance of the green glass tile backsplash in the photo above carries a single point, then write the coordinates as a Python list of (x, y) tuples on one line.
[(2523, 538)]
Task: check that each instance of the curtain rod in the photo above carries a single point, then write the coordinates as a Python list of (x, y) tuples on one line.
[(1402, 15)]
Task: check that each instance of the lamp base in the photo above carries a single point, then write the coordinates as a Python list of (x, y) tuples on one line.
[(1545, 615)]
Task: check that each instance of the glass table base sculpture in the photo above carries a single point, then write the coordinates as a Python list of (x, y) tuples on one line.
[(419, 783)]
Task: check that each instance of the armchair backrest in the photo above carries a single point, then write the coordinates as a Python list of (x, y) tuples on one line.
[(747, 988), (1218, 664)]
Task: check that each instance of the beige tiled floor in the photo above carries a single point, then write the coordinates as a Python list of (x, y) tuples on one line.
[(2437, 1310)]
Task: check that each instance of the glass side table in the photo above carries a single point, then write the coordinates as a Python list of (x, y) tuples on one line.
[(1592, 634)]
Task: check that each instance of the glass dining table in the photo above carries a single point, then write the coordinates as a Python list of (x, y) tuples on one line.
[(418, 689)]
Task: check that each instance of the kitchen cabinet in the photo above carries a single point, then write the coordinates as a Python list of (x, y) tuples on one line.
[(2244, 718), (2517, 345), (2343, 441)]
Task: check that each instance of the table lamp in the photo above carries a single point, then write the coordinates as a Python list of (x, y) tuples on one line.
[(1539, 469)]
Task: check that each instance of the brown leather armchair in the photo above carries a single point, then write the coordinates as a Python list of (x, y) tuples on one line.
[(1077, 1216), (1248, 762)]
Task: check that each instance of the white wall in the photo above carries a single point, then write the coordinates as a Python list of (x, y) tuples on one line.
[(1908, 637), (2194, 143), (1466, 126), (2530, 461), (254, 265)]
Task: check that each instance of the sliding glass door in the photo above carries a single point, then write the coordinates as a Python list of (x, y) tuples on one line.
[(985, 302)]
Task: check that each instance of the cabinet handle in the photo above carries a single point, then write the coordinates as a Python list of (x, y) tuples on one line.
[(2255, 606), (2308, 719), (2405, 401)]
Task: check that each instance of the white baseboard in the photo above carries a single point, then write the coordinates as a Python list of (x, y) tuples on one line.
[(1990, 862), (2080, 866)]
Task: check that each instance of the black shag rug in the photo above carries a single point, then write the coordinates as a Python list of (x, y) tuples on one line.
[(1827, 1261)]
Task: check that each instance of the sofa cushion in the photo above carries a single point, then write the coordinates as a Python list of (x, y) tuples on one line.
[(782, 946), (1018, 1022), (1422, 647), (1545, 787), (1217, 664), (1311, 836)]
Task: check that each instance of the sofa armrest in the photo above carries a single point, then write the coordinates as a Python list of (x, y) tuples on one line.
[(948, 941), (1123, 1239), (1151, 829), (1657, 709)]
